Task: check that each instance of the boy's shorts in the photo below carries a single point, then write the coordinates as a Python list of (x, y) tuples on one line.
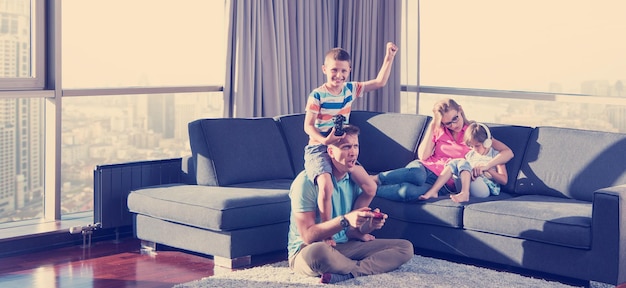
[(316, 161), (459, 165)]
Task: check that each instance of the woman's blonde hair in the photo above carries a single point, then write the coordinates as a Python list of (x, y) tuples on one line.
[(443, 106)]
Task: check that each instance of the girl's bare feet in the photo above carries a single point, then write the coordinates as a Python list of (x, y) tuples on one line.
[(429, 194), (461, 197)]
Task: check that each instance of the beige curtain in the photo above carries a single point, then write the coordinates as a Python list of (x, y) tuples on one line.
[(276, 50)]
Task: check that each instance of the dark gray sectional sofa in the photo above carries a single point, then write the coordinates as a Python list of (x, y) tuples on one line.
[(563, 211)]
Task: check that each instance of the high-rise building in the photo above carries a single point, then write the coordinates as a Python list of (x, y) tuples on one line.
[(617, 116), (21, 120), (7, 157), (161, 115), (29, 149)]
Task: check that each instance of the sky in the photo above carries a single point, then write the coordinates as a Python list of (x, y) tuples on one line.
[(122, 42), (487, 42), (510, 45)]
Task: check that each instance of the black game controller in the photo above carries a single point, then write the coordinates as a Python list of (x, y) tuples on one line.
[(338, 120)]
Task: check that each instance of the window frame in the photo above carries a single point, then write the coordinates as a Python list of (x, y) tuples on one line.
[(38, 54)]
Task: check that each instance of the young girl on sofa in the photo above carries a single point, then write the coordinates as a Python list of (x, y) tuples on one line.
[(478, 138)]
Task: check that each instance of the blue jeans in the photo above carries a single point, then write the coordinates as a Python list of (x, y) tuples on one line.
[(406, 184)]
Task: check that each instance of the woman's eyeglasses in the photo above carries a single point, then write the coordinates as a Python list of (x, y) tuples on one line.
[(454, 120)]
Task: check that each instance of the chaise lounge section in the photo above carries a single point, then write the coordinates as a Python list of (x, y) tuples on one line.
[(563, 210)]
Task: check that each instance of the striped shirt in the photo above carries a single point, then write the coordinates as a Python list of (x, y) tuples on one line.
[(327, 105)]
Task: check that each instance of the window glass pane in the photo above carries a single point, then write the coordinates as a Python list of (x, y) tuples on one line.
[(121, 43), (556, 46), (21, 154), (15, 39), (408, 102), (408, 56), (116, 129), (590, 113)]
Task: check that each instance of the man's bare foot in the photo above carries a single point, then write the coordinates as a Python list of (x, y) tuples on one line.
[(367, 237), (354, 234), (330, 242), (429, 194), (461, 197), (363, 237)]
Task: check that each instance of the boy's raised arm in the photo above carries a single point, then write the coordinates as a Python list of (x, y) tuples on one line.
[(385, 70)]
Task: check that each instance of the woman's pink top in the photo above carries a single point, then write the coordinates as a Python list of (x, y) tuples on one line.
[(446, 148)]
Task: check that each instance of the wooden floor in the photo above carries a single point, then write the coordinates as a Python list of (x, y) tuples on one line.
[(120, 264), (109, 264)]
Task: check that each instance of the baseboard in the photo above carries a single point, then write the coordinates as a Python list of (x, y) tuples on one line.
[(57, 239)]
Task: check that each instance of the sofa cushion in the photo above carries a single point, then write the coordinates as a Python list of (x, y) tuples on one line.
[(229, 151), (572, 163), (283, 184), (516, 137), (388, 140), (552, 220), (214, 208), (293, 131), (399, 134), (441, 211)]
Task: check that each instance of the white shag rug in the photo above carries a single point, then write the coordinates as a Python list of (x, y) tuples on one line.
[(419, 272)]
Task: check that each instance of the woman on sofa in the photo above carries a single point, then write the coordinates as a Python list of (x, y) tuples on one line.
[(442, 142), (478, 138)]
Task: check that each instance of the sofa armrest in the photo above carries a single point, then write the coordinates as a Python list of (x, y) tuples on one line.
[(609, 234)]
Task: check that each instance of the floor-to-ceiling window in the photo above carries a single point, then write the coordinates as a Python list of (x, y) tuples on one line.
[(161, 45), (132, 73), (125, 80), (22, 125), (557, 63)]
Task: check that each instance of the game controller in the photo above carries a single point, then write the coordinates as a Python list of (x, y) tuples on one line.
[(378, 215), (338, 123)]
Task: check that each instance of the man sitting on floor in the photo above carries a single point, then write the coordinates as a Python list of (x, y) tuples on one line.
[(349, 257)]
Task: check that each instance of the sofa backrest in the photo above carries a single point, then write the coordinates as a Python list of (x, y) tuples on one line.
[(572, 163), (516, 137), (229, 151), (292, 127), (388, 140)]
